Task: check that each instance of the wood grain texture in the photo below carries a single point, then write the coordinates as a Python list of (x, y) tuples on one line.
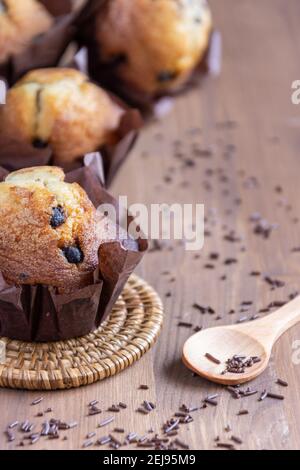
[(261, 59)]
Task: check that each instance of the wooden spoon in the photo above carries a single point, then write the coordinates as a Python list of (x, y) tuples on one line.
[(255, 338)]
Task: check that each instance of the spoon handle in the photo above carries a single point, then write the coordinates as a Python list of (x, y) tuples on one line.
[(274, 325)]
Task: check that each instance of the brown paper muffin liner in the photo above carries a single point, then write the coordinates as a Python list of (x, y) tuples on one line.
[(46, 49), (106, 73), (39, 314)]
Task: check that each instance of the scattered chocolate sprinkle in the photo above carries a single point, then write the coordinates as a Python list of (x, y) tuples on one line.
[(210, 401), (242, 319), (180, 414), (94, 411), (88, 443), (142, 411), (276, 283), (106, 421), (13, 424), (35, 439), (209, 266), (185, 324), (131, 436), (146, 444), (148, 405), (264, 310), (212, 358), (212, 397), (281, 382), (181, 444), (197, 329), (171, 425), (37, 401), (73, 424), (236, 439), (114, 409), (103, 440), (200, 308), (263, 395), (225, 445), (115, 440), (275, 396), (93, 403), (230, 261), (45, 428), (10, 435), (276, 304), (120, 430)]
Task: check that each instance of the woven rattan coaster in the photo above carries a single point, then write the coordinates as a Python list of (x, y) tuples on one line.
[(131, 329)]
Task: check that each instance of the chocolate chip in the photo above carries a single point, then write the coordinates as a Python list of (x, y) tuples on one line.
[(39, 144), (73, 254), (23, 276), (58, 217), (166, 76)]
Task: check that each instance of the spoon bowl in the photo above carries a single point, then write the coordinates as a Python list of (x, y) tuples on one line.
[(223, 343), (207, 351)]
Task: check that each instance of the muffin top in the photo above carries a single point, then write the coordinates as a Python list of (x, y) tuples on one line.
[(47, 231), (155, 44), (20, 22), (60, 108)]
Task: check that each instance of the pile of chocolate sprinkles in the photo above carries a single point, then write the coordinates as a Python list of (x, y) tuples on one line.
[(238, 364)]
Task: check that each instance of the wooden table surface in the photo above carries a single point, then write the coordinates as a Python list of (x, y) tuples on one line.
[(242, 134)]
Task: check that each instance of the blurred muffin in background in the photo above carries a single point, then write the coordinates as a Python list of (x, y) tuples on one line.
[(20, 22), (155, 44), (62, 109)]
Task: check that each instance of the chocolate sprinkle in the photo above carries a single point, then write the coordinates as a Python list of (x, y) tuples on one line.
[(212, 358)]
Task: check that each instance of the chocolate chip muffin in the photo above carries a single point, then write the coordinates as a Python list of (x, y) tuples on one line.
[(20, 22), (154, 45), (47, 231), (62, 109)]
